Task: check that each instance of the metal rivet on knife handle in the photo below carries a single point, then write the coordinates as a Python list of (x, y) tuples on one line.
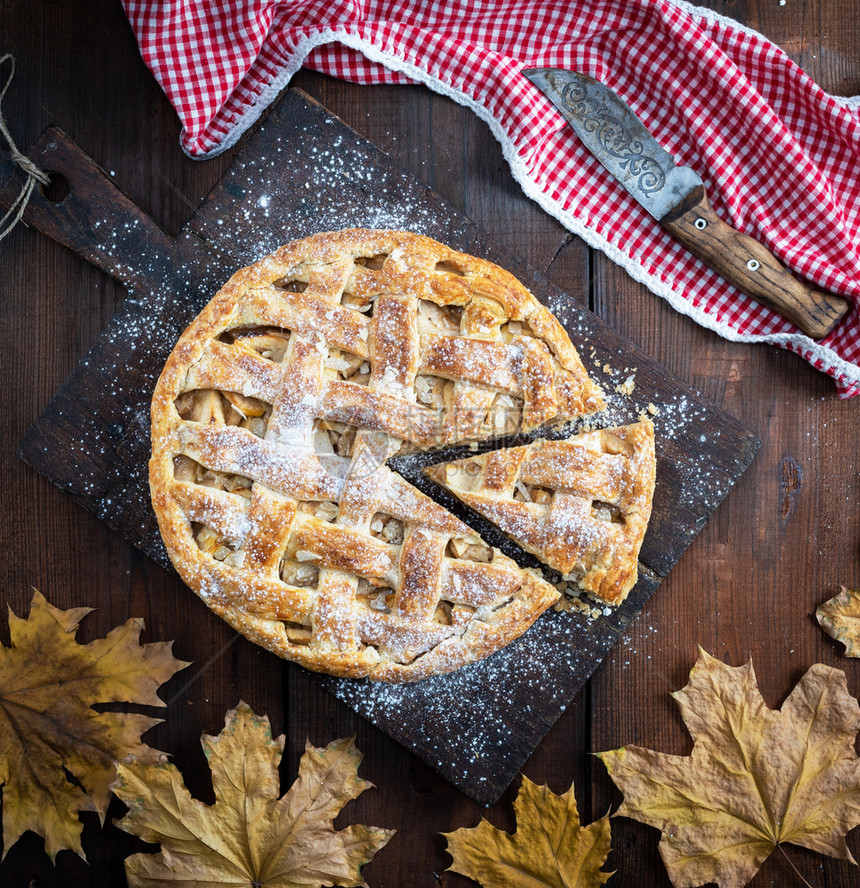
[(674, 195)]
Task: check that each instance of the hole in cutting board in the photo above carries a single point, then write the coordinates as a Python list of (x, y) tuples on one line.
[(57, 189)]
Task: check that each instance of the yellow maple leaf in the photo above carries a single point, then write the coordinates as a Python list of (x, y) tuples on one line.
[(47, 685), (549, 847), (249, 836), (756, 777), (840, 617)]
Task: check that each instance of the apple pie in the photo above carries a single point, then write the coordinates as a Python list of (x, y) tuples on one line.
[(272, 422), (580, 505)]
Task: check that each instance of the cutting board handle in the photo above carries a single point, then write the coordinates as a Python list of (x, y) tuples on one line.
[(94, 219)]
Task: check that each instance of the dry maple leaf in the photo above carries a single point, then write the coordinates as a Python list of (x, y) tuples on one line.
[(249, 836), (550, 847), (47, 685), (756, 777), (840, 617)]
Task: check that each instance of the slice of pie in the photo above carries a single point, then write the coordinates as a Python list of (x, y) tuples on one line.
[(580, 505), (274, 417)]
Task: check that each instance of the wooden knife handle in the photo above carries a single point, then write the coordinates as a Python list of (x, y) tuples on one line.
[(749, 265)]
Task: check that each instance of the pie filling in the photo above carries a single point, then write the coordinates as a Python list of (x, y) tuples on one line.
[(268, 342)]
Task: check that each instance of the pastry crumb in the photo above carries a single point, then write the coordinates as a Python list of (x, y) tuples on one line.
[(646, 413), (626, 387), (570, 601)]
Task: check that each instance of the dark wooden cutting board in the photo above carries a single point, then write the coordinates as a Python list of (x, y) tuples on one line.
[(304, 171)]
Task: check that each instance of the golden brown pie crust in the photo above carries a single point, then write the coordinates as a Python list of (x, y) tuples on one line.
[(272, 422)]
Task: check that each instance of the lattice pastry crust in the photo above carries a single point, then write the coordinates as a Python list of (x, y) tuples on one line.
[(272, 422), (581, 505)]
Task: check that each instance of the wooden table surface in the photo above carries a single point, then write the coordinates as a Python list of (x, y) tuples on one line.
[(784, 540)]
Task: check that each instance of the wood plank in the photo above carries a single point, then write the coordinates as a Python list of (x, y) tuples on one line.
[(749, 584)]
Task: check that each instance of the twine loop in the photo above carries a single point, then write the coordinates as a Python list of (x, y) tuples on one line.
[(34, 174)]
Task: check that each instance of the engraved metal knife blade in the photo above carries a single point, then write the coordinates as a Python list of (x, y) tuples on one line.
[(675, 196)]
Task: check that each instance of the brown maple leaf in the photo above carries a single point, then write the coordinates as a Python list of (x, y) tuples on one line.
[(549, 847), (48, 683), (840, 617), (756, 777), (249, 836)]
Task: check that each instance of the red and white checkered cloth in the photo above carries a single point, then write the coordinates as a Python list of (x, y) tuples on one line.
[(779, 156)]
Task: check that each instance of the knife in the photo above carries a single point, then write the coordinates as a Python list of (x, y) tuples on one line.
[(675, 196)]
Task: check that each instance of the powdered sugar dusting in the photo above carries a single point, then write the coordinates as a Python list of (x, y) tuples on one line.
[(368, 195)]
